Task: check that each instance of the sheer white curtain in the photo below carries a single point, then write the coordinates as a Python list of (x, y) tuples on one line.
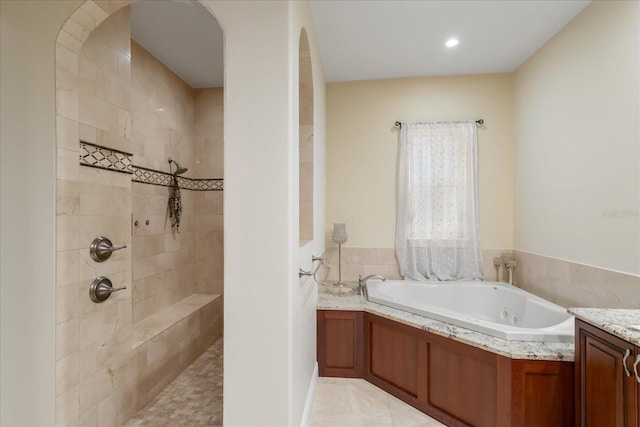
[(437, 235)]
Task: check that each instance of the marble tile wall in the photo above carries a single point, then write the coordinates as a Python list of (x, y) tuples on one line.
[(366, 261), (209, 242), (208, 205), (306, 182), (164, 269), (92, 340), (208, 128), (162, 107), (563, 282), (100, 379), (305, 147), (576, 285)]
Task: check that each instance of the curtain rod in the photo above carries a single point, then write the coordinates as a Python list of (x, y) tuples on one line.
[(479, 122)]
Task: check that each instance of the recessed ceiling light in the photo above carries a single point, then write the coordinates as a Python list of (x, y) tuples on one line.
[(452, 42)]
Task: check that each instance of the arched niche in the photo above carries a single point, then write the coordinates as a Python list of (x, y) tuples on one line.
[(305, 105)]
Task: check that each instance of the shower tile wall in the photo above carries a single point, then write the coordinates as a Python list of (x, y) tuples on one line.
[(208, 205), (100, 378), (162, 127)]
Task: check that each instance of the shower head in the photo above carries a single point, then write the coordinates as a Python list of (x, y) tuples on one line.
[(179, 169)]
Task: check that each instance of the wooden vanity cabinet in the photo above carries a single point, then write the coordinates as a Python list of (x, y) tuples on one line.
[(607, 394)]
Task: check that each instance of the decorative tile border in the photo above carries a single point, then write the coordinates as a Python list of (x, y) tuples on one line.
[(105, 158), (118, 161), (151, 176)]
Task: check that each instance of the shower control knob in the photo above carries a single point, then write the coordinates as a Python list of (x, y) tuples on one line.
[(101, 289), (101, 249)]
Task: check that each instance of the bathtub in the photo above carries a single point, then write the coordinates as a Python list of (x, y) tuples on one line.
[(496, 309)]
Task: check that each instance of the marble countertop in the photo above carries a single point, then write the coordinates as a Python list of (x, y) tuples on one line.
[(332, 298), (623, 323)]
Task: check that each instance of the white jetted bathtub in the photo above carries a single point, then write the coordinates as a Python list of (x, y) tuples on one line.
[(496, 309)]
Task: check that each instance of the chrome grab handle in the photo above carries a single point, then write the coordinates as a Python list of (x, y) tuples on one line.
[(635, 368), (101, 249), (302, 273), (101, 289), (624, 362)]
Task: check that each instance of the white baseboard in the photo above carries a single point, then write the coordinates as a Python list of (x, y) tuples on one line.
[(308, 405)]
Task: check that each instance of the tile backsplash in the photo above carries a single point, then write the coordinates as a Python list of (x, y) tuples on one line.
[(565, 283), (572, 284)]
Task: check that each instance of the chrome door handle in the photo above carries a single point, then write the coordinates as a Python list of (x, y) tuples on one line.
[(624, 362), (101, 249), (101, 289), (635, 368)]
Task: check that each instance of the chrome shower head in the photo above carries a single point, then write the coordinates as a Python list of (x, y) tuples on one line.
[(179, 169)]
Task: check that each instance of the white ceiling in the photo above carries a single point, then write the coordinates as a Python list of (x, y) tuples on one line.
[(369, 39), (379, 39), (184, 36)]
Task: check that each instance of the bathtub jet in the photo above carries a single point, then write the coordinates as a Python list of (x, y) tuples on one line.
[(497, 309)]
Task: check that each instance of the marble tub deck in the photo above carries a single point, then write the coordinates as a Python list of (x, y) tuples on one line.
[(330, 298)]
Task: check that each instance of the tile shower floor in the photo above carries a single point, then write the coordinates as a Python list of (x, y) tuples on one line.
[(194, 398)]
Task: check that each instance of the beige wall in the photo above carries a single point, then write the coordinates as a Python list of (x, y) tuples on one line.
[(362, 145), (577, 164), (28, 30)]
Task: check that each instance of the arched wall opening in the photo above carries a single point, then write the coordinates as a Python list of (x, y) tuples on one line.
[(120, 114)]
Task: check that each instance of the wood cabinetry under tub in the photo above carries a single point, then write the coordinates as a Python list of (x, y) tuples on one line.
[(607, 385), (340, 344), (458, 384)]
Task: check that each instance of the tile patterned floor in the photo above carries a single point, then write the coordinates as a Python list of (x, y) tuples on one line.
[(344, 402), (194, 399)]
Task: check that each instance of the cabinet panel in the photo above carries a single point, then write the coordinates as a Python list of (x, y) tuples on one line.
[(606, 396), (340, 344), (458, 384), (542, 393), (462, 383), (393, 355)]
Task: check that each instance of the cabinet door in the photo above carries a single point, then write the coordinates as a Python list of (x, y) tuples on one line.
[(392, 355), (606, 394), (340, 344), (636, 374)]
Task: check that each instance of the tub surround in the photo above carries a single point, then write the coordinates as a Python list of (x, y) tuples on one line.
[(614, 321), (366, 261), (457, 376), (572, 284), (330, 299), (562, 282)]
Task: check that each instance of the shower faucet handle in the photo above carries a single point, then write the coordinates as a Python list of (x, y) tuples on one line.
[(101, 249), (101, 289)]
